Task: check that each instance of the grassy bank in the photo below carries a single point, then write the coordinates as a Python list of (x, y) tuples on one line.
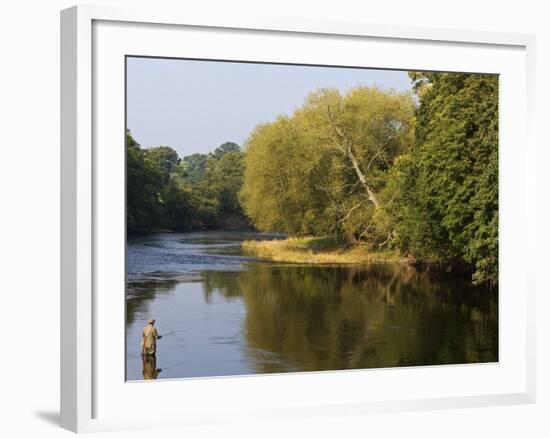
[(316, 250)]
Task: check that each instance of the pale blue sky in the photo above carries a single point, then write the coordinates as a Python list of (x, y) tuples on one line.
[(194, 106)]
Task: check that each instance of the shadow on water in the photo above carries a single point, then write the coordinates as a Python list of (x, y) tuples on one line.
[(266, 318)]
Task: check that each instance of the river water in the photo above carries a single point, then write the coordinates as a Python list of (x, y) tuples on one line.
[(221, 312)]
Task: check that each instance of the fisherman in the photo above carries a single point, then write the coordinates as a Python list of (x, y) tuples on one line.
[(150, 336)]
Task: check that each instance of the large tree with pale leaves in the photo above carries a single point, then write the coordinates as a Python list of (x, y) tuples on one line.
[(324, 169)]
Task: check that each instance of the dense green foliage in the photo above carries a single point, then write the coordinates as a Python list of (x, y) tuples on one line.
[(447, 207), (374, 167), (143, 186), (193, 166), (196, 192), (323, 171), (165, 160)]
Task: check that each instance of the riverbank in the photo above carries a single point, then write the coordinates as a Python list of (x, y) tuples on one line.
[(317, 250)]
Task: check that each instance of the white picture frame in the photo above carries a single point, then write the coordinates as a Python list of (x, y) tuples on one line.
[(92, 394)]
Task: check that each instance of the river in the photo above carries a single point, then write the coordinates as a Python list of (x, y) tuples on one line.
[(221, 312)]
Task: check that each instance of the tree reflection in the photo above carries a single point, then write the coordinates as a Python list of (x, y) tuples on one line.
[(310, 318), (139, 293), (322, 318)]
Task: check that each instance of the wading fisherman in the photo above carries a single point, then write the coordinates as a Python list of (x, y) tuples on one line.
[(150, 336)]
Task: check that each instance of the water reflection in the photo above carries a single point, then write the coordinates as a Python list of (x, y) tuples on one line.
[(328, 318), (149, 367), (139, 293), (278, 318)]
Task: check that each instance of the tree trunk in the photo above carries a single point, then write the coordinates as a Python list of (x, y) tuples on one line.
[(346, 149), (362, 179)]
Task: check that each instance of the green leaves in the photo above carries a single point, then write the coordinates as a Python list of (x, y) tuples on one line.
[(200, 191), (143, 185), (322, 170), (217, 189), (450, 201)]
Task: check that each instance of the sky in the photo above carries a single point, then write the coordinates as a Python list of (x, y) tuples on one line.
[(194, 106)]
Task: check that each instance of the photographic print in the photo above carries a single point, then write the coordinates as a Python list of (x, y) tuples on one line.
[(299, 218)]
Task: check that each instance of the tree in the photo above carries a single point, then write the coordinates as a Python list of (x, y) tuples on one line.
[(143, 186), (165, 159), (219, 186), (226, 147), (156, 198), (194, 166), (179, 212), (323, 170), (448, 205)]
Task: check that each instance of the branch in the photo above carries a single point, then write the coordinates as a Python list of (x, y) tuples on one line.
[(338, 145), (376, 155), (327, 191), (348, 151), (367, 228), (389, 202), (390, 237), (362, 178), (334, 125), (351, 211), (333, 141)]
